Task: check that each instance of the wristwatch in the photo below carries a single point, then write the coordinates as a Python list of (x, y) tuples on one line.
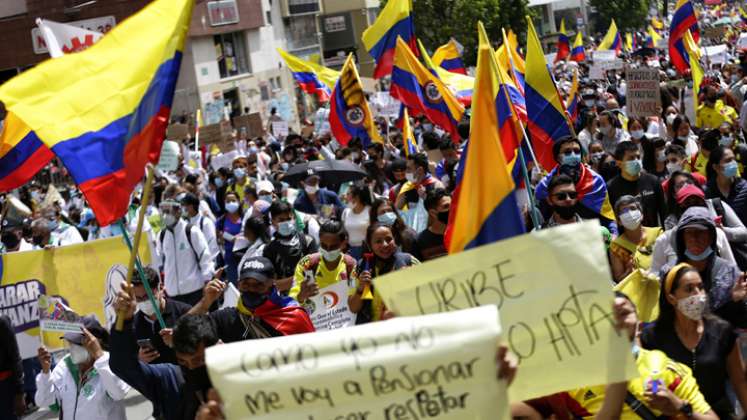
[(686, 410)]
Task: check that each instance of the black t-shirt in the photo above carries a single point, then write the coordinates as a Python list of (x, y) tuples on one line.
[(285, 257), (430, 245), (708, 362), (232, 326), (648, 191), (147, 329)]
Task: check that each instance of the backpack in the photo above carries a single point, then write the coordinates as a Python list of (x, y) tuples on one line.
[(188, 231), (316, 258), (739, 249)]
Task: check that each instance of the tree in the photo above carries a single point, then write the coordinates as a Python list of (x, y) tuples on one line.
[(436, 21), (630, 15)]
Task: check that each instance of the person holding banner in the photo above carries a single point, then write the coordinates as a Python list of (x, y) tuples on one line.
[(82, 385)]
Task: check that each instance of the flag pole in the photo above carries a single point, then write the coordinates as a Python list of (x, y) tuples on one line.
[(138, 234), (198, 117)]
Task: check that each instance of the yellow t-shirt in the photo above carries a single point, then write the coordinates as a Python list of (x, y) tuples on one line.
[(652, 364), (707, 117), (323, 276), (239, 188), (377, 303), (701, 163)]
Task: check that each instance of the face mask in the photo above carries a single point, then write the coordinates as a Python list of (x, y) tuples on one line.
[(218, 182), (253, 300), (169, 220), (78, 354), (239, 173), (330, 256), (253, 150), (146, 308), (286, 229), (730, 169), (597, 156), (311, 189), (35, 195), (197, 377), (232, 207), (267, 198), (607, 131), (571, 160), (636, 134), (589, 103), (443, 217), (683, 139), (633, 167), (410, 177), (565, 213), (673, 167), (661, 156), (53, 225), (631, 219), (725, 141), (734, 78), (692, 306), (284, 166), (670, 118), (387, 219), (699, 257)]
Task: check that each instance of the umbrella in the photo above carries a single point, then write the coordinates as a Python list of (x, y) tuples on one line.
[(330, 172)]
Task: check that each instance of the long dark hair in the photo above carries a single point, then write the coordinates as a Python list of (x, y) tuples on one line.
[(361, 191), (399, 224), (665, 321), (258, 226), (714, 159), (672, 206)]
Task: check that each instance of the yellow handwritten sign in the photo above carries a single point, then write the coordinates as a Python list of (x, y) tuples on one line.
[(436, 366), (553, 292)]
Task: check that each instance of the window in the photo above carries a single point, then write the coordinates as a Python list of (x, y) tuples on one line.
[(223, 12), (230, 53), (302, 6), (301, 32), (268, 16)]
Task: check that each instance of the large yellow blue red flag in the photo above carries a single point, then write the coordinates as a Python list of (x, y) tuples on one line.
[(349, 113), (611, 41), (564, 45), (652, 38), (684, 19), (512, 80), (461, 85), (449, 57), (422, 91), (578, 54), (693, 52), (508, 55), (380, 39), (102, 111), (545, 111), (313, 78), (484, 208)]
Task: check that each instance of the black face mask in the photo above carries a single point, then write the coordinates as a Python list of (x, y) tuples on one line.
[(10, 240), (38, 240), (565, 213), (253, 300), (197, 377), (443, 217)]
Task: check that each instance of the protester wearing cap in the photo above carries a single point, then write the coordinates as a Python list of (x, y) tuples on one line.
[(11, 238), (82, 384), (694, 242), (186, 261), (318, 200), (190, 211), (261, 311)]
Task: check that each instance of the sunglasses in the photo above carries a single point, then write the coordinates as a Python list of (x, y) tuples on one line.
[(565, 195), (574, 151)]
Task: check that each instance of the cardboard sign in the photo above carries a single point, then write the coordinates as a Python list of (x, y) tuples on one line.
[(223, 160), (557, 314), (56, 316), (615, 64), (713, 32), (252, 123), (218, 134), (279, 129), (438, 366), (642, 95), (602, 56), (169, 159), (177, 131), (596, 73)]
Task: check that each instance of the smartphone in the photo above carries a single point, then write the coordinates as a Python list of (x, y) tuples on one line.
[(145, 344)]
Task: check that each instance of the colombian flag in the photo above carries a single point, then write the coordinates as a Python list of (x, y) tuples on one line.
[(424, 92), (743, 15), (380, 39), (564, 46), (408, 139), (484, 208), (516, 61), (448, 57), (612, 40), (313, 78), (656, 23), (349, 114), (578, 54), (684, 19), (693, 51), (510, 84), (460, 84), (102, 111), (574, 97), (545, 111), (653, 38), (591, 189)]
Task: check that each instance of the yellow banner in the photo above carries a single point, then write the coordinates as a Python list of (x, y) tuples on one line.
[(436, 366), (86, 276), (554, 295)]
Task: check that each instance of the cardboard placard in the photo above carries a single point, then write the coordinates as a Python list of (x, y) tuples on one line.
[(252, 123), (177, 131), (643, 97), (218, 134), (169, 159)]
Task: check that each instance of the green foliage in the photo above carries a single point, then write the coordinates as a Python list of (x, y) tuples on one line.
[(436, 21), (628, 14)]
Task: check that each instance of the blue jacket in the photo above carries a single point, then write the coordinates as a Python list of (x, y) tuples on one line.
[(324, 196), (162, 384)]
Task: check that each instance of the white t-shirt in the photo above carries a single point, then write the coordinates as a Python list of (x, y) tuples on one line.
[(356, 225)]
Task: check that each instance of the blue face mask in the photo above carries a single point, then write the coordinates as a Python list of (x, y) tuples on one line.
[(266, 198), (699, 257), (387, 219), (730, 169), (52, 225), (218, 182), (571, 160), (239, 173), (633, 167), (286, 229)]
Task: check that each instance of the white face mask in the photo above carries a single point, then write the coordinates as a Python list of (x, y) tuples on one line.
[(311, 189), (410, 177), (631, 219), (661, 156), (330, 256), (146, 308), (636, 134), (670, 118), (169, 220), (78, 354), (673, 167), (692, 306)]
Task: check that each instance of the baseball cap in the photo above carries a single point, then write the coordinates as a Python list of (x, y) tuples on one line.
[(258, 268), (92, 324), (687, 191), (265, 186)]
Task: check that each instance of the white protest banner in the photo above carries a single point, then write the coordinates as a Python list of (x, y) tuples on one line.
[(642, 94), (329, 309), (55, 316), (386, 105), (280, 129), (169, 159), (602, 56), (596, 73), (550, 58), (223, 160), (715, 54), (615, 64), (437, 366), (554, 293)]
